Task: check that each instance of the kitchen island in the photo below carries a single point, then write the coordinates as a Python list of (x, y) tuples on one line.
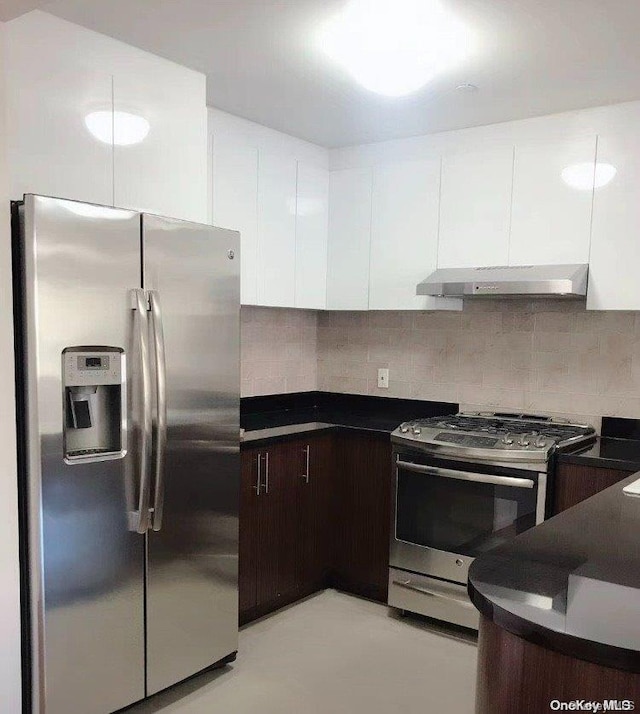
[(560, 608)]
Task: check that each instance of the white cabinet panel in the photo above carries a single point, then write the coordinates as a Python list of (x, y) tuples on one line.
[(349, 239), (167, 172), (614, 282), (312, 216), (276, 230), (551, 219), (404, 235), (475, 208), (235, 205), (51, 152)]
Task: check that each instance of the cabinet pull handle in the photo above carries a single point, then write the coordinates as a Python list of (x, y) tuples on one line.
[(266, 474), (305, 475), (257, 486)]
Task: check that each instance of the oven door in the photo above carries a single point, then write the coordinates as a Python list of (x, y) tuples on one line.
[(448, 512)]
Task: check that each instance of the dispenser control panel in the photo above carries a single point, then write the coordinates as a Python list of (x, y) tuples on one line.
[(88, 369)]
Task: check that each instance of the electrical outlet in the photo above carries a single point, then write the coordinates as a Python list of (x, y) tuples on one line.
[(383, 378)]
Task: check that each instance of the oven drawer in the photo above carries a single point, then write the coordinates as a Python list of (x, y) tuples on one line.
[(434, 598)]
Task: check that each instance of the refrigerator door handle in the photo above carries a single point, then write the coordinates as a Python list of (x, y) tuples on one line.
[(161, 408), (141, 328)]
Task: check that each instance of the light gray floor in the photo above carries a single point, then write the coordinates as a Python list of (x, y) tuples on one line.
[(334, 654)]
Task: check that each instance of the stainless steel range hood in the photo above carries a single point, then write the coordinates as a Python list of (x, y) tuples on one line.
[(561, 281)]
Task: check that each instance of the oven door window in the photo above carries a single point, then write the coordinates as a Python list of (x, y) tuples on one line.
[(457, 516)]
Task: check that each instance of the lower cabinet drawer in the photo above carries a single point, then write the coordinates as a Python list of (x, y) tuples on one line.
[(434, 598)]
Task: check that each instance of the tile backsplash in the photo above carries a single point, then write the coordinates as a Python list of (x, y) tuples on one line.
[(540, 355), (278, 351)]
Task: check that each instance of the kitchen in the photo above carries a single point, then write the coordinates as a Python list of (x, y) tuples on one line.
[(347, 336)]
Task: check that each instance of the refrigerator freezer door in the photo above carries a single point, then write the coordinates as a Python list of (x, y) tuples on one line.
[(86, 575), (192, 561)]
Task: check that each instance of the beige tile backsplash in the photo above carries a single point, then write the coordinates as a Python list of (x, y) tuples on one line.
[(549, 356), (278, 351)]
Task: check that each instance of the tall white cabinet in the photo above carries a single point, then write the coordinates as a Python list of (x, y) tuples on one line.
[(350, 195), (404, 235), (475, 208), (58, 74)]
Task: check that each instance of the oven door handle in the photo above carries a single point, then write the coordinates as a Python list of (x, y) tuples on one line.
[(511, 481)]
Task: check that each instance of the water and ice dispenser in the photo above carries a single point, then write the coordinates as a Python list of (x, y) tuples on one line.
[(93, 380)]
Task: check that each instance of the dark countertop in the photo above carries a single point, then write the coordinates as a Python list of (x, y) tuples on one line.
[(283, 416), (607, 452), (571, 584)]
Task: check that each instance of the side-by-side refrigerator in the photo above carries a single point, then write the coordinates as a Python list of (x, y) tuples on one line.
[(128, 357)]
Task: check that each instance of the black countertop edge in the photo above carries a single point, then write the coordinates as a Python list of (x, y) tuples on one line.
[(569, 645), (606, 452), (350, 410), (297, 431)]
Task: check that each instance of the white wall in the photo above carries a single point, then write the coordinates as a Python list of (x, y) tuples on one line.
[(10, 694), (586, 122)]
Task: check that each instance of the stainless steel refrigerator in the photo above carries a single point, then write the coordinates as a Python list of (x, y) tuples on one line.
[(128, 354)]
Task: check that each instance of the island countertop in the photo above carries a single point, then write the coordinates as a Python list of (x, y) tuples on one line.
[(572, 583)]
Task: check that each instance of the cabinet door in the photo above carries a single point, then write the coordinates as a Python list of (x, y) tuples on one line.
[(50, 149), (349, 239), (279, 544), (362, 514), (276, 230), (166, 172), (315, 469), (615, 242), (235, 205), (575, 483), (404, 235), (551, 212), (249, 533), (475, 208), (312, 216)]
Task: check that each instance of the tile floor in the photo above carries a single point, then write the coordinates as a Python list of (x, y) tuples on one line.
[(335, 654)]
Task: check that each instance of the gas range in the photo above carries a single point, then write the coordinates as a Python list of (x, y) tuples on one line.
[(494, 436)]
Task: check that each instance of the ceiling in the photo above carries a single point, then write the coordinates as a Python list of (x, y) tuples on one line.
[(533, 57), (10, 9)]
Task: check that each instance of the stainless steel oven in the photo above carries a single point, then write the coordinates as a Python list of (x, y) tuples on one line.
[(461, 489), (446, 513)]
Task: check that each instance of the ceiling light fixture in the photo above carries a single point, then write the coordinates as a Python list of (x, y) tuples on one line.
[(583, 177), (395, 47), (120, 128)]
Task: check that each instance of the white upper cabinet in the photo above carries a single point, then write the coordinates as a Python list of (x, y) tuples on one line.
[(404, 235), (166, 173), (235, 204), (349, 239), (475, 208), (49, 94), (312, 216), (276, 229), (614, 282), (552, 197)]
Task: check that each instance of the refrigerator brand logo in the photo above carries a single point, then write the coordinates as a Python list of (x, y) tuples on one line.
[(583, 705)]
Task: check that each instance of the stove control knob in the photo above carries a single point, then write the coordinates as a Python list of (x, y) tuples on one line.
[(404, 428), (507, 439), (541, 442), (417, 430), (524, 440)]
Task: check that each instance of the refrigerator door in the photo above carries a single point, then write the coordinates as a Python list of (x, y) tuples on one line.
[(192, 273), (86, 574)]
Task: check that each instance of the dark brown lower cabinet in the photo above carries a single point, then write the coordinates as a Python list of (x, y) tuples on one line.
[(516, 676), (575, 483), (321, 518), (362, 514)]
